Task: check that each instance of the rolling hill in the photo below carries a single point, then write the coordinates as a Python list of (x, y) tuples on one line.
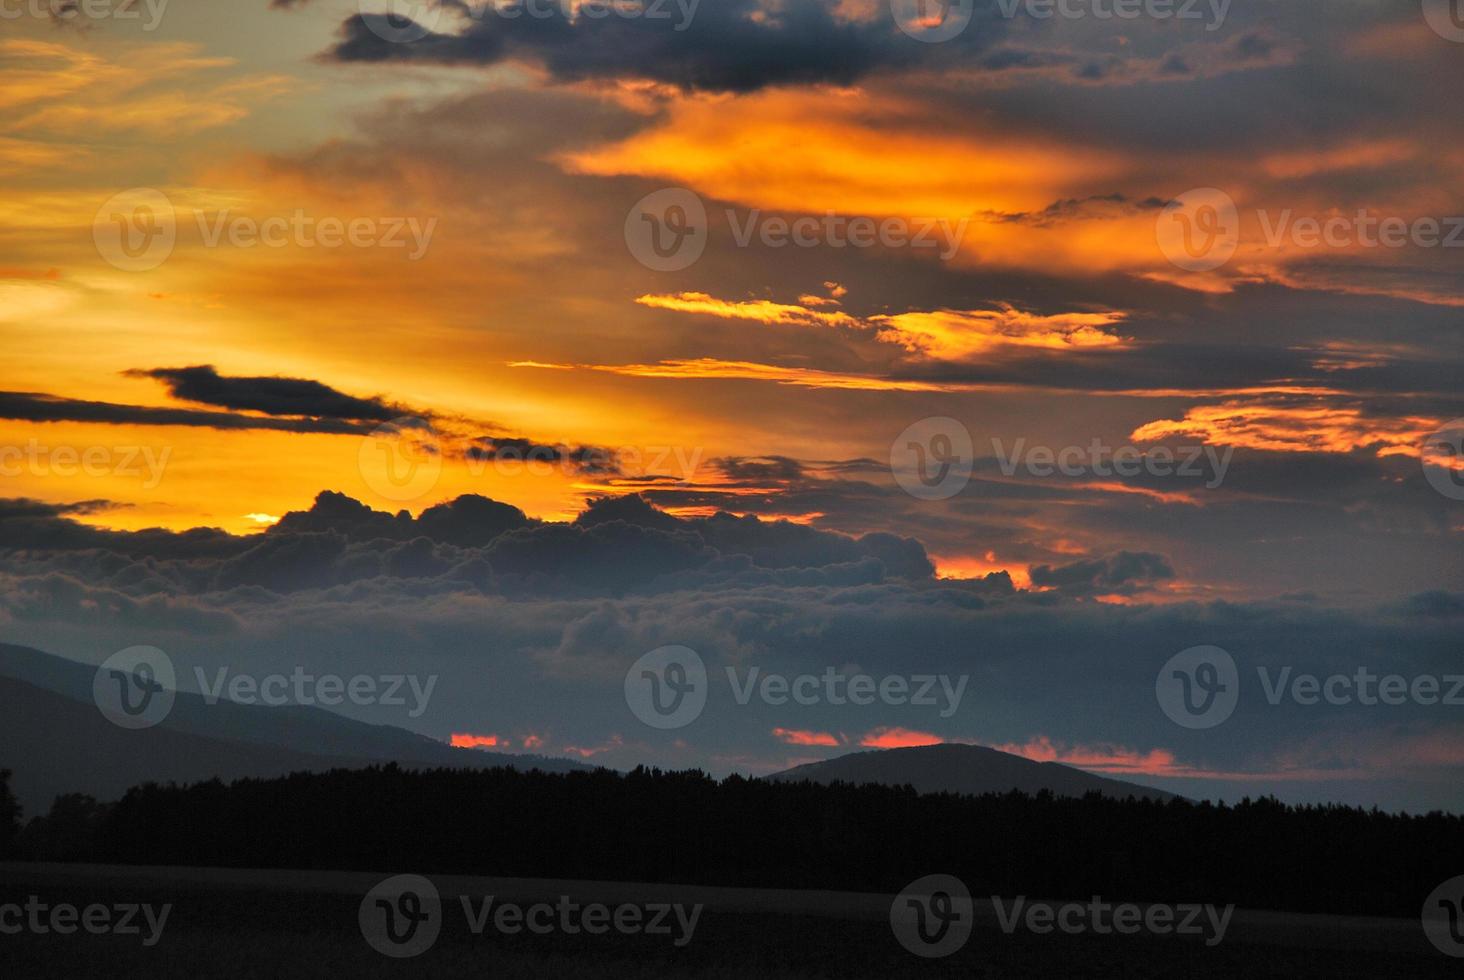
[(968, 769), (55, 740)]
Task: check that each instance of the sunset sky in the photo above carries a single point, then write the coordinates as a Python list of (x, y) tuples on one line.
[(503, 160)]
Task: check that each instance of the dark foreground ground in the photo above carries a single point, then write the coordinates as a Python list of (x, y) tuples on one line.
[(305, 924)]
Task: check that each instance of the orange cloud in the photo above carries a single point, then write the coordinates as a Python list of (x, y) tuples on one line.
[(847, 151), (938, 335), (467, 741), (53, 88), (15, 272), (1023, 201), (1363, 155), (1100, 758), (854, 153), (614, 742), (1320, 759), (965, 567), (35, 297), (794, 737), (898, 738), (1286, 428), (708, 367), (836, 293), (952, 335), (762, 311), (21, 156), (1193, 498), (1375, 754)]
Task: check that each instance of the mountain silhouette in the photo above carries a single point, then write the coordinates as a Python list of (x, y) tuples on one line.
[(968, 769), (56, 745), (56, 741)]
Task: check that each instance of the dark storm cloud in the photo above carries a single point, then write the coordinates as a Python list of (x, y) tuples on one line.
[(48, 597), (22, 508), (270, 395), (48, 527), (30, 406), (1253, 46), (728, 45), (1271, 64), (851, 496), (1211, 513), (1258, 335), (588, 598), (759, 468), (472, 521), (616, 546), (1122, 574), (590, 460), (298, 405), (1074, 209)]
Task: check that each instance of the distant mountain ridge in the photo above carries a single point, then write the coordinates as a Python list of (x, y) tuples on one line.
[(968, 769), (56, 741)]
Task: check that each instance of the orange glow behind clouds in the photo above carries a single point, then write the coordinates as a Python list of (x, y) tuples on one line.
[(794, 737), (851, 152), (708, 367), (959, 335), (936, 334), (898, 738), (865, 154), (1100, 758), (762, 311), (1312, 428), (959, 567), (465, 741)]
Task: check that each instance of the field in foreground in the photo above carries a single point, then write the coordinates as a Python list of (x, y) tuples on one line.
[(305, 924)]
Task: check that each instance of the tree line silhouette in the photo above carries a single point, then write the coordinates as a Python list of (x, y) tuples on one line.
[(9, 816), (686, 827)]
